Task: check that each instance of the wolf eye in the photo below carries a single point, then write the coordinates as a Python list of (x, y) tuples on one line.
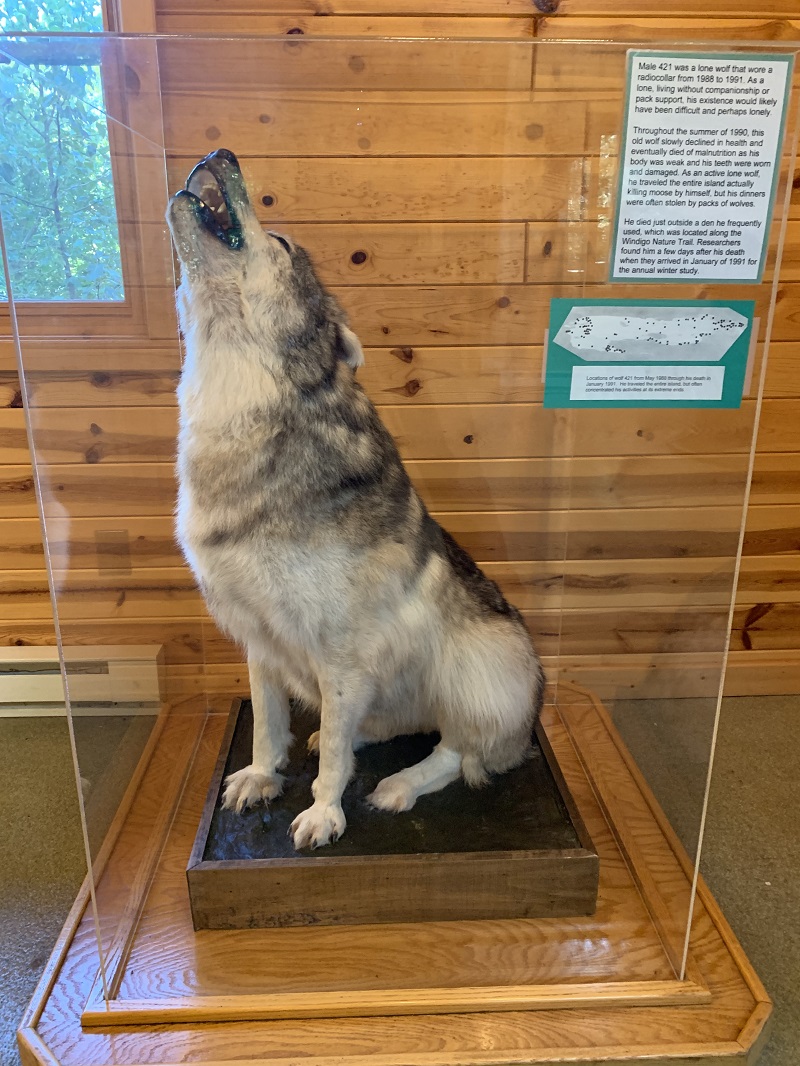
[(282, 240)]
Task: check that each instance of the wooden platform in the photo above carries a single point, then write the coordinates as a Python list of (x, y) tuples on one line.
[(594, 989), (516, 848)]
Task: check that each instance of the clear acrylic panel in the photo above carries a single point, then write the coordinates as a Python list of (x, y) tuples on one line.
[(447, 190)]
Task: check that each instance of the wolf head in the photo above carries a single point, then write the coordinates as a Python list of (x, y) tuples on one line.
[(239, 278)]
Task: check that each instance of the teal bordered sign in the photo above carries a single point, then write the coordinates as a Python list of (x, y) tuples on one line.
[(702, 137), (647, 353)]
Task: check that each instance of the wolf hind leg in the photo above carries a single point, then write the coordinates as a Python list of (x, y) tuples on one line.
[(491, 685), (402, 790), (260, 781)]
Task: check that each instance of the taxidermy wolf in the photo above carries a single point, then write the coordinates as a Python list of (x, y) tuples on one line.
[(308, 540)]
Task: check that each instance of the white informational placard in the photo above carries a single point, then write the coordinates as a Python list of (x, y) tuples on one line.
[(699, 166), (647, 383)]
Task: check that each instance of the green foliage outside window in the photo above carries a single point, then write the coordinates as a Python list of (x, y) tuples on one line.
[(56, 189)]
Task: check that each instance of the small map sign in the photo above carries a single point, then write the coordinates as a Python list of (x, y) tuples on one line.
[(647, 353)]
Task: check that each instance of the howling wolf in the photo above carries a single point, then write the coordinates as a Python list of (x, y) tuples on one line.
[(309, 542)]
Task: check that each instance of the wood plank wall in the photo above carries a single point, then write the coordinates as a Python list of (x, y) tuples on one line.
[(620, 557)]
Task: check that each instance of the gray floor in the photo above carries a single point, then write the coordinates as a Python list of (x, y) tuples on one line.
[(42, 859), (752, 854), (752, 851)]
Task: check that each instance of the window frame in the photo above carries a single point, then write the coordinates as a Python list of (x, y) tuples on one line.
[(130, 84)]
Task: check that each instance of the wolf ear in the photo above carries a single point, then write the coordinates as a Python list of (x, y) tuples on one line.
[(351, 350)]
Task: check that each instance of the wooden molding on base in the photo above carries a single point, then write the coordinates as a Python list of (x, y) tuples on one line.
[(603, 988)]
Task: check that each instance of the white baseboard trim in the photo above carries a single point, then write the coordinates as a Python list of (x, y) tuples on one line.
[(102, 679), (79, 710)]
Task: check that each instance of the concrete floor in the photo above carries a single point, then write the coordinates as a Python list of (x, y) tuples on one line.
[(752, 851)]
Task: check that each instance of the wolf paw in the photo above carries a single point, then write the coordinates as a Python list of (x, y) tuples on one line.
[(394, 793), (317, 826), (247, 787)]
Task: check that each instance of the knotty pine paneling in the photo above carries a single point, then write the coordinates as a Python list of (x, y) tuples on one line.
[(229, 11), (118, 376), (655, 533), (449, 431), (297, 62), (447, 203), (365, 124)]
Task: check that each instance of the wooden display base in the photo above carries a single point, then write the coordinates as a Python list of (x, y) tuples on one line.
[(515, 849), (584, 989)]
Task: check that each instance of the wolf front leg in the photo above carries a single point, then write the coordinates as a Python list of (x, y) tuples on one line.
[(344, 704), (271, 739)]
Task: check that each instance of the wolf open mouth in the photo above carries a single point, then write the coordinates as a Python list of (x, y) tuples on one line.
[(212, 204)]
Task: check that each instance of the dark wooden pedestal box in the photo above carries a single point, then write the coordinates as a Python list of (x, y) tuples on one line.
[(515, 849)]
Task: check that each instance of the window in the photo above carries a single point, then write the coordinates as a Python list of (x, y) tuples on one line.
[(58, 205)]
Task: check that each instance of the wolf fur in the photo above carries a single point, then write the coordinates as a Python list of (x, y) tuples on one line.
[(310, 544)]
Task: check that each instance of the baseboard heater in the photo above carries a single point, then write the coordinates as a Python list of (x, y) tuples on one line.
[(103, 679)]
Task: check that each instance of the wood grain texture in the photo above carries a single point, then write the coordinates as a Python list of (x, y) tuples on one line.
[(500, 315), (452, 431), (125, 376), (397, 1003), (93, 543), (660, 675), (671, 894), (318, 955), (685, 9), (373, 123), (619, 675), (281, 20), (707, 1033), (445, 189), (592, 731), (10, 393), (182, 639), (563, 8), (292, 63), (147, 593), (591, 629), (142, 489), (452, 307), (631, 662), (414, 253), (630, 604), (500, 536), (736, 22)]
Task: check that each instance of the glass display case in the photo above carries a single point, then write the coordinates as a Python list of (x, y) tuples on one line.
[(473, 205)]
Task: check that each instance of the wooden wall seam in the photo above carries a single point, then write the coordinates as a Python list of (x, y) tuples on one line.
[(450, 305)]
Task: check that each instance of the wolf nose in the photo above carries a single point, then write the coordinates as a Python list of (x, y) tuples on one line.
[(225, 153)]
